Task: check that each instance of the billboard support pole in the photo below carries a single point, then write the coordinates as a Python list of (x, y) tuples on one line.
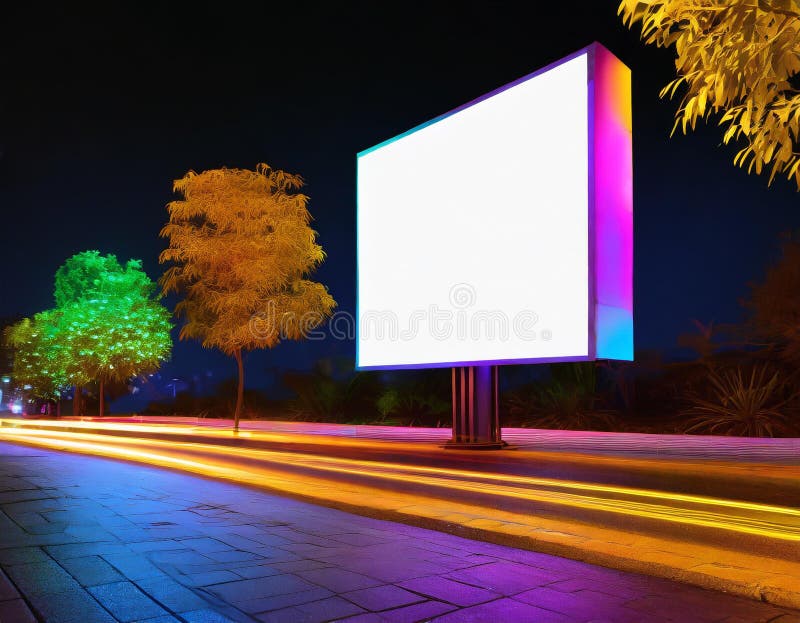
[(476, 418)]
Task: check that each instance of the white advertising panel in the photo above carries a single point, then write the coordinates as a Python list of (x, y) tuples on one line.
[(475, 231)]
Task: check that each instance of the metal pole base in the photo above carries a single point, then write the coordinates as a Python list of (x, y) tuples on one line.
[(476, 422), (452, 445)]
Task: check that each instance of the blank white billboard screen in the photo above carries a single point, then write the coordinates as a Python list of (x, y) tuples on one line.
[(473, 232)]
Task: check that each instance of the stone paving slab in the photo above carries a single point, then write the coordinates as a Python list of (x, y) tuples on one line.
[(85, 539)]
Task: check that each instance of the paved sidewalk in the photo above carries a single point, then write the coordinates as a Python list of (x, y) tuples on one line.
[(86, 540)]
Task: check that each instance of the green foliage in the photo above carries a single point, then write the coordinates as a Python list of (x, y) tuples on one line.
[(40, 356), (86, 275), (217, 404), (109, 326), (419, 398), (117, 337), (111, 319), (568, 400), (758, 403), (738, 59), (332, 393)]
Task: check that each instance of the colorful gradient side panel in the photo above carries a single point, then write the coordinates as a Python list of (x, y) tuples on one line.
[(613, 206)]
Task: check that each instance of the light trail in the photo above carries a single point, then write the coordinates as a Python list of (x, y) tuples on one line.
[(766, 520), (410, 442), (278, 456), (201, 431)]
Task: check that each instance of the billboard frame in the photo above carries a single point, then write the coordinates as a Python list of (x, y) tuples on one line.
[(609, 206)]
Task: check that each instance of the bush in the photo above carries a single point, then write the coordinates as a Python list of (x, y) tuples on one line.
[(221, 404), (419, 398), (569, 400), (332, 392), (758, 403)]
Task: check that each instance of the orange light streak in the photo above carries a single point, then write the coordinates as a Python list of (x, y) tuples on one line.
[(219, 462)]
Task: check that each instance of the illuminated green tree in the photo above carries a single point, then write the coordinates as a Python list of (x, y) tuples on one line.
[(242, 248), (108, 326), (110, 322), (40, 354), (85, 275)]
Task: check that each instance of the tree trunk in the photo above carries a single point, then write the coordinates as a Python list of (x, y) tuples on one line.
[(102, 397), (58, 406), (76, 401), (240, 391)]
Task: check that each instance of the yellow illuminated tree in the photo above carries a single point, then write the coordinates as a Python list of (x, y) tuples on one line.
[(736, 59), (241, 249)]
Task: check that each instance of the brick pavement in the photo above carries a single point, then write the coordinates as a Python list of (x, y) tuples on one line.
[(86, 540)]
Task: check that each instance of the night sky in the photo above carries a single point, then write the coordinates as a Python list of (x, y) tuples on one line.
[(103, 105)]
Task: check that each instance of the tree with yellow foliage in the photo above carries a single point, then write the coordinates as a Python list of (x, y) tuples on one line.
[(241, 249), (736, 58)]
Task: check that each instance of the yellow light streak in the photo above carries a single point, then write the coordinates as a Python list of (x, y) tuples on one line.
[(203, 430), (217, 463), (277, 456)]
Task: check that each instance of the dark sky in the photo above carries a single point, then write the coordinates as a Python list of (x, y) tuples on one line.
[(103, 105)]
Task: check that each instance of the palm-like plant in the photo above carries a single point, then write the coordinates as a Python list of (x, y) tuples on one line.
[(755, 404)]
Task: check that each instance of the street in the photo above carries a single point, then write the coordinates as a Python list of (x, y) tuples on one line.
[(637, 503), (90, 539)]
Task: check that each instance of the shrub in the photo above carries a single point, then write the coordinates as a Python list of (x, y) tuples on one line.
[(332, 393), (569, 400), (758, 403)]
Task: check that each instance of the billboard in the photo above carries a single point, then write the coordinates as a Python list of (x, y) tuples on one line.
[(501, 232)]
